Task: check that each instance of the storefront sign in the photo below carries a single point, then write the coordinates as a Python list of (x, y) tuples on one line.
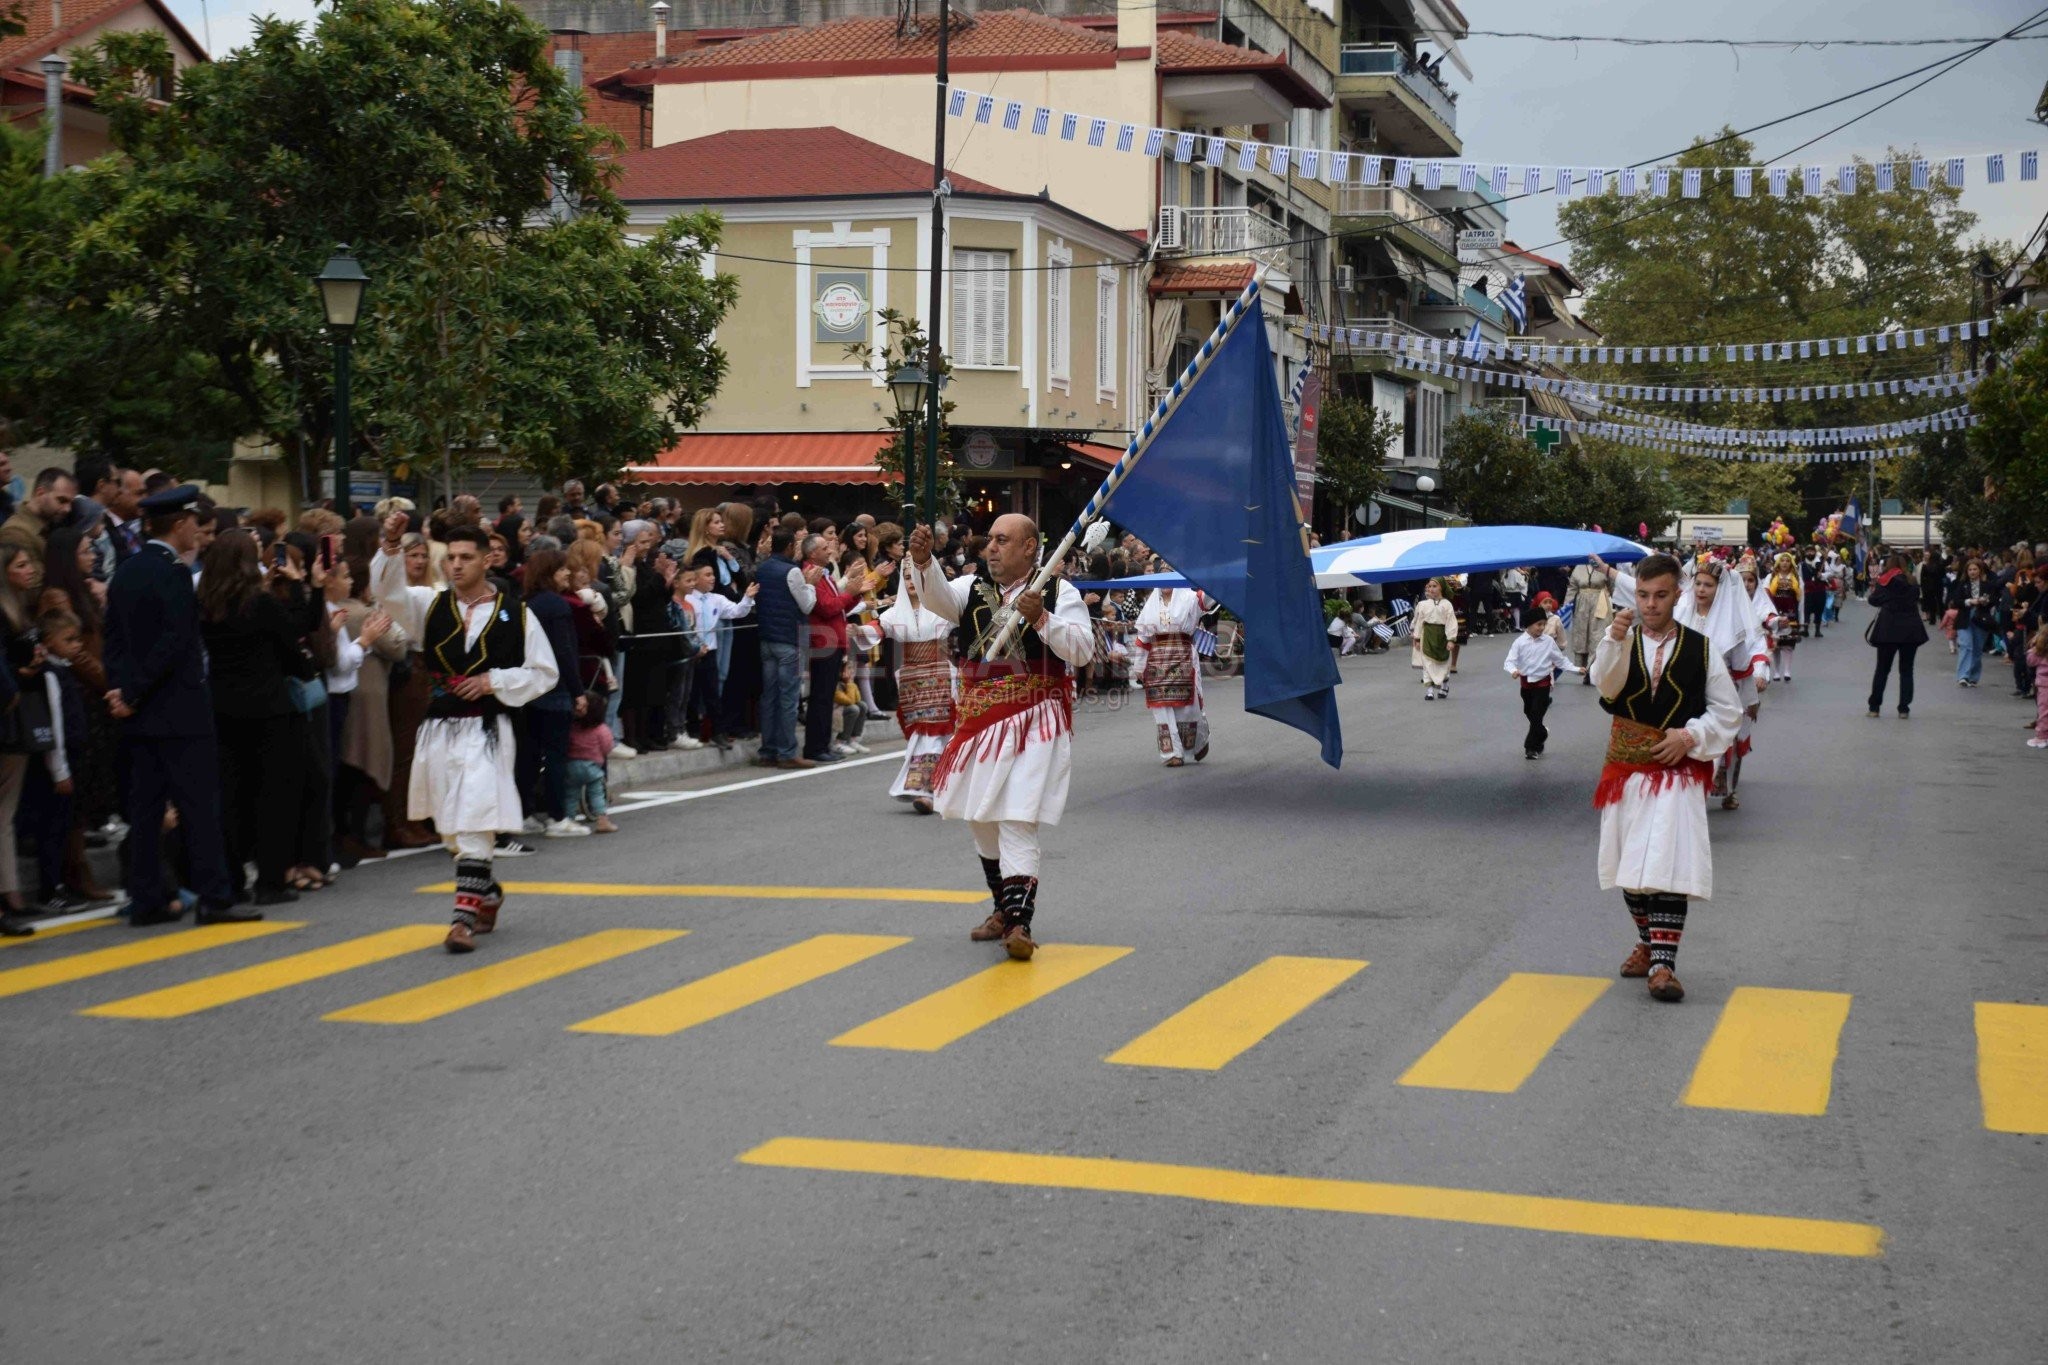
[(981, 451), (1305, 440), (839, 307)]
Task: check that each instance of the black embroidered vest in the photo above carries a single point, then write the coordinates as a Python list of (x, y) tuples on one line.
[(1681, 691), (979, 620), (448, 655)]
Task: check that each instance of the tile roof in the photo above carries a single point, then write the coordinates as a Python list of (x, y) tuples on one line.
[(1188, 54), (703, 457), (778, 163), (80, 18), (1202, 278)]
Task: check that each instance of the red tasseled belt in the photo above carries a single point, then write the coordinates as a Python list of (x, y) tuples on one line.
[(1629, 753)]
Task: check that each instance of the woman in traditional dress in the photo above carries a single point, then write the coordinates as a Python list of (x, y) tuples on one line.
[(924, 691), (1786, 595), (1589, 594), (1172, 675), (1434, 627)]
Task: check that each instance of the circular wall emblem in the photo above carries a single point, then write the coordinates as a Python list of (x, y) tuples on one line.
[(979, 452), (840, 307)]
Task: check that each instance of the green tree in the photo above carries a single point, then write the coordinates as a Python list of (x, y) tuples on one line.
[(509, 307), (1352, 440), (1994, 479), (907, 345), (1492, 472), (1604, 483)]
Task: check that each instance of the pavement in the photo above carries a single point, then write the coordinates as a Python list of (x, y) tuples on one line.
[(1318, 1066)]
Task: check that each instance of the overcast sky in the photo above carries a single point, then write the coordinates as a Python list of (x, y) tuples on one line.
[(1588, 103)]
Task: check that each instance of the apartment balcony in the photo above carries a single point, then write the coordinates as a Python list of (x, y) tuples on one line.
[(1415, 224), (1458, 317), (1379, 357), (1224, 232), (1416, 114)]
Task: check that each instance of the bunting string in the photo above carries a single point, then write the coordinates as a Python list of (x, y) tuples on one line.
[(1594, 391), (1698, 353), (1580, 179)]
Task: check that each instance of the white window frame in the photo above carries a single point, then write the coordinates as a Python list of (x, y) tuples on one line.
[(978, 264), (842, 235), (1059, 316), (1107, 325)]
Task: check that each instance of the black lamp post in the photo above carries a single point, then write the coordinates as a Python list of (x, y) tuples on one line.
[(908, 387), (342, 283)]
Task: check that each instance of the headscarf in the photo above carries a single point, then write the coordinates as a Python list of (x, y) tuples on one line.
[(1730, 623), (1545, 601)]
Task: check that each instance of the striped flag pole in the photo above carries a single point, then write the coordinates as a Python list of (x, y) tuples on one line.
[(1243, 304)]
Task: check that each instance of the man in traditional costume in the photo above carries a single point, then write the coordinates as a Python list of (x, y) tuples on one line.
[(925, 711), (1675, 711), (1005, 771), (1431, 631), (484, 654), (1172, 675)]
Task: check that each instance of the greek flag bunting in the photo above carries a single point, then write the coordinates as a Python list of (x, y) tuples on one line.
[(1041, 119)]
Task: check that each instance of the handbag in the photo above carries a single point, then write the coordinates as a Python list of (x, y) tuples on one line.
[(26, 727), (308, 694)]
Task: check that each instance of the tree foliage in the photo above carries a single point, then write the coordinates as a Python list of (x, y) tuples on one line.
[(907, 344), (168, 294), (1994, 478), (1352, 440), (1497, 476), (1720, 268)]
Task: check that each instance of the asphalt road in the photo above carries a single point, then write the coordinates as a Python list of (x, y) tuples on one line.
[(210, 1169)]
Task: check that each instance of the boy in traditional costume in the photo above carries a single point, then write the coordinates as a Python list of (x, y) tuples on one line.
[(485, 654), (1005, 770), (1675, 711), (1534, 661), (1165, 630)]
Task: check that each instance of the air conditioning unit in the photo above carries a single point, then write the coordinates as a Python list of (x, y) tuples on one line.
[(1364, 128), (1169, 228), (1347, 278)]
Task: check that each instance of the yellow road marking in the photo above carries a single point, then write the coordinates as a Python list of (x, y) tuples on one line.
[(1773, 1052), (739, 986), (437, 998), (42, 935), (755, 893), (1235, 1016), (209, 992), (1503, 1039), (2012, 1066), (1638, 1222), (948, 1015), (158, 948)]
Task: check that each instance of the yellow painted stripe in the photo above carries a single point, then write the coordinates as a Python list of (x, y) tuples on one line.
[(437, 998), (2012, 1066), (1503, 1039), (949, 1015), (739, 986), (210, 992), (1638, 1222), (731, 893), (44, 935), (1773, 1052), (1234, 1017), (156, 948)]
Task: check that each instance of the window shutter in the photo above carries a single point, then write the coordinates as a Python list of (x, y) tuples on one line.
[(963, 310), (996, 311), (1105, 335), (1059, 334)]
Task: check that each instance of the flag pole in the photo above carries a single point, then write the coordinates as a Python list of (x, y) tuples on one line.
[(1239, 307)]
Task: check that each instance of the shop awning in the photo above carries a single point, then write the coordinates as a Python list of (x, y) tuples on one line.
[(1102, 455), (1202, 279), (768, 457)]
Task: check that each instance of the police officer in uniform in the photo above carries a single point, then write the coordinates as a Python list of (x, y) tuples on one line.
[(156, 668)]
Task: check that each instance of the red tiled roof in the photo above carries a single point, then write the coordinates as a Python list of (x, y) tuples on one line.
[(768, 457), (1559, 266), (1202, 278), (1096, 453), (777, 163), (997, 40), (80, 18)]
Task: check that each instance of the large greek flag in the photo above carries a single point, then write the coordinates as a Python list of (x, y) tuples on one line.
[(1515, 299)]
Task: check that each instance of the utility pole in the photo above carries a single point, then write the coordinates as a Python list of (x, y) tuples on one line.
[(53, 98), (934, 357)]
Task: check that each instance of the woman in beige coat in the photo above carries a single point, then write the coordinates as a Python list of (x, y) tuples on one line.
[(364, 758)]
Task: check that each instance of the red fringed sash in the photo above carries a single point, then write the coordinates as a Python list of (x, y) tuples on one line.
[(1628, 755), (1003, 714)]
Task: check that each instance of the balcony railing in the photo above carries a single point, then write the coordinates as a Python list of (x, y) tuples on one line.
[(1384, 201), (1383, 326), (1228, 231), (1385, 59)]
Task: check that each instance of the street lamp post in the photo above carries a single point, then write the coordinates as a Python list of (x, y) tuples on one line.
[(907, 386), (53, 113), (342, 283), (1425, 486)]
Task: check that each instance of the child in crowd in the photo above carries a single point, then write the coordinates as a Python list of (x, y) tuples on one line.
[(1535, 660), (853, 713), (590, 741), (46, 803), (682, 674), (710, 608), (2037, 658)]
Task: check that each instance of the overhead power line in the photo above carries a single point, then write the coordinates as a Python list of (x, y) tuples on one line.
[(1628, 41)]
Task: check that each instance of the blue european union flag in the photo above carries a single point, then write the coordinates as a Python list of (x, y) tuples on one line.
[(1214, 496)]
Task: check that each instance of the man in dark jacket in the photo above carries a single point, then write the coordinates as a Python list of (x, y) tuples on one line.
[(156, 669)]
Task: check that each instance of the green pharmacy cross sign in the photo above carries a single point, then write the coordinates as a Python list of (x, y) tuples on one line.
[(1544, 438)]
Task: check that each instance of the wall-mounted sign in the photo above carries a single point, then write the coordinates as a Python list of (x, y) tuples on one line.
[(981, 451), (839, 307)]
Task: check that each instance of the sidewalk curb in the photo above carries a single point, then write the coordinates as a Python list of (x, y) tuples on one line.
[(644, 770)]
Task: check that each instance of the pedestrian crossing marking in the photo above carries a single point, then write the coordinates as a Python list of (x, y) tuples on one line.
[(1772, 1052), (735, 988), (44, 933), (1432, 1203), (210, 992), (948, 1015), (158, 948), (925, 895), (1234, 1017), (2012, 1066), (438, 998), (1503, 1039)]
